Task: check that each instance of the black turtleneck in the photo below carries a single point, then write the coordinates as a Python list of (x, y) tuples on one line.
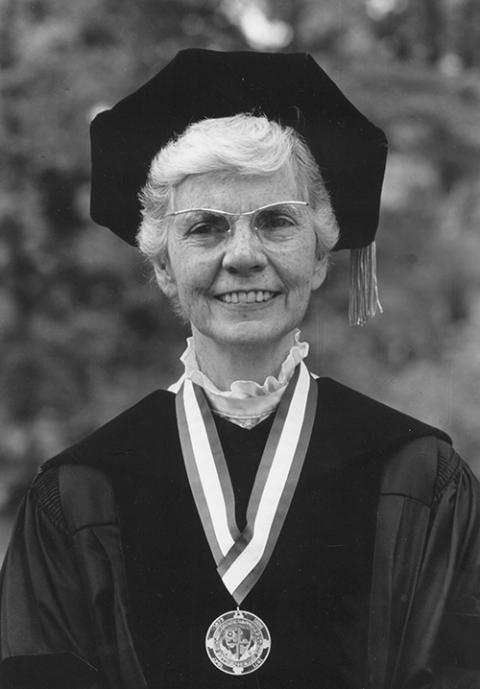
[(243, 450)]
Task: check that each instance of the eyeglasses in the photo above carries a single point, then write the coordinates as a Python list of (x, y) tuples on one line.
[(272, 223)]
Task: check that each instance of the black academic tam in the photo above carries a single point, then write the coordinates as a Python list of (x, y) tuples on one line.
[(291, 89), (68, 599)]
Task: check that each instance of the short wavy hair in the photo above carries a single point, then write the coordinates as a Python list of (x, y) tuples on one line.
[(243, 144)]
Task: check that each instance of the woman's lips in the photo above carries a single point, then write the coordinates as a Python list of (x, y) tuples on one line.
[(246, 297)]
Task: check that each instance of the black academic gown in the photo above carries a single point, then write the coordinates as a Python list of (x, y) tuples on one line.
[(95, 595)]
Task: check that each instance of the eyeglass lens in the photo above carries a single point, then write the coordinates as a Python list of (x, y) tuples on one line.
[(270, 223)]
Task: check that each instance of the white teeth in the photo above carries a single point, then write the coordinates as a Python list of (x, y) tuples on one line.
[(246, 297)]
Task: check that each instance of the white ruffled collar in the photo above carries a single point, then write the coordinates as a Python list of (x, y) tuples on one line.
[(247, 402)]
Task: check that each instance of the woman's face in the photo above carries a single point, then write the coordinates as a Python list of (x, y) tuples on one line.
[(233, 287)]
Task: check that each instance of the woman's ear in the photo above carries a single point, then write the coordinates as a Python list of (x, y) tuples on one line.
[(165, 278), (319, 271)]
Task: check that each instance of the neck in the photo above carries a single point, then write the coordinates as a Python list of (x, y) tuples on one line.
[(224, 363)]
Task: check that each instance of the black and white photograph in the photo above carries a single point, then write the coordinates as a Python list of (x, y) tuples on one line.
[(240, 344)]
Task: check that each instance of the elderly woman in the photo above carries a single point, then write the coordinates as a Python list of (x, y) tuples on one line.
[(255, 526)]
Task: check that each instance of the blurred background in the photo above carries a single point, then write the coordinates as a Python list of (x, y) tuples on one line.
[(84, 333)]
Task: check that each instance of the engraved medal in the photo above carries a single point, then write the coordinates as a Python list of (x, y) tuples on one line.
[(238, 642)]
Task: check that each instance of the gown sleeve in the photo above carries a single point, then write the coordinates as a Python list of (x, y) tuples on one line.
[(45, 636), (459, 643)]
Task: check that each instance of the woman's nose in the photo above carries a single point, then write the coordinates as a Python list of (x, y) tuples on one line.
[(244, 252)]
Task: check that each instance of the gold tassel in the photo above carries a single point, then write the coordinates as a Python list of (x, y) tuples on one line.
[(364, 301)]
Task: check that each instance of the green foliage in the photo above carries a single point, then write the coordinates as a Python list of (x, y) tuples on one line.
[(84, 332)]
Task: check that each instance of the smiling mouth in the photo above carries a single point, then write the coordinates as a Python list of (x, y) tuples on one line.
[(250, 297)]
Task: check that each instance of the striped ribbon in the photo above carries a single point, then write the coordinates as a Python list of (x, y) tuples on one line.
[(241, 558)]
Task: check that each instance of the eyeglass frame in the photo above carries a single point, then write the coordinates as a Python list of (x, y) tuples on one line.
[(236, 215)]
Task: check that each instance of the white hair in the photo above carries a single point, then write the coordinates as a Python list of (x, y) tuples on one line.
[(242, 145)]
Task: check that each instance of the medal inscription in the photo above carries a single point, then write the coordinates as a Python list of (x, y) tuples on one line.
[(238, 642)]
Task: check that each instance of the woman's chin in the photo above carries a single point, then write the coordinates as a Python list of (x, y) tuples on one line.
[(261, 325), (250, 333)]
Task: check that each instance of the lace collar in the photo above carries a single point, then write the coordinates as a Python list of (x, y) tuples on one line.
[(247, 402)]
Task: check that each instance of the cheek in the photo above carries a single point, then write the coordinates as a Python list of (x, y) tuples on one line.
[(296, 267), (193, 280)]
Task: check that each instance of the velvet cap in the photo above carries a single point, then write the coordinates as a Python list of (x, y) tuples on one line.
[(198, 84)]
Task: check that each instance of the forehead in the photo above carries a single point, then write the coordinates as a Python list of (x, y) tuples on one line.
[(234, 192)]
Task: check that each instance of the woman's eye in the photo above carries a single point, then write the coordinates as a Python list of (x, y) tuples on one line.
[(211, 225), (201, 229), (275, 221)]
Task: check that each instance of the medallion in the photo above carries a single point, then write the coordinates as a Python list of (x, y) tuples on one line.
[(238, 642)]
